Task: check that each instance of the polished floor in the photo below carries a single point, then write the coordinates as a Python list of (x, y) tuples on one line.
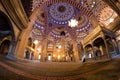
[(30, 70)]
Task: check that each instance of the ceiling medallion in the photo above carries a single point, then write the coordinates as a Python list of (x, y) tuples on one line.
[(61, 8)]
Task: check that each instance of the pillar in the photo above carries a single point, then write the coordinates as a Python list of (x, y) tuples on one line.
[(92, 49), (11, 53), (103, 36), (75, 50), (118, 43), (84, 48), (101, 49), (23, 38), (44, 50), (80, 50), (54, 52), (115, 45), (63, 48)]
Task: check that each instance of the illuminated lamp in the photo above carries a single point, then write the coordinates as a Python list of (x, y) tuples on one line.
[(59, 46), (36, 42), (111, 20), (73, 23)]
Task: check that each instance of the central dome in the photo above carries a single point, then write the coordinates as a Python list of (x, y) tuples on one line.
[(61, 12)]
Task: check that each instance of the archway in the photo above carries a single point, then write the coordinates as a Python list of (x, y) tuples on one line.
[(111, 46), (99, 47), (6, 34), (5, 26), (88, 51), (4, 47)]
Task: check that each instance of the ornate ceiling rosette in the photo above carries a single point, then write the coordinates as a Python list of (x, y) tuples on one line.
[(61, 13)]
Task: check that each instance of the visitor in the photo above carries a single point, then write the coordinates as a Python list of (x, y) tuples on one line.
[(32, 55), (39, 56), (27, 54), (83, 58)]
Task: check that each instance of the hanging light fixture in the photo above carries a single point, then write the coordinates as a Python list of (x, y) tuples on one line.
[(36, 42), (59, 46), (73, 23)]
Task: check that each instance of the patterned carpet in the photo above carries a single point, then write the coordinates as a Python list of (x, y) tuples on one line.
[(23, 70)]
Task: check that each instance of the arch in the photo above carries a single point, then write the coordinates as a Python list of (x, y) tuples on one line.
[(112, 48), (98, 41), (116, 50), (99, 47), (89, 45), (6, 24), (88, 51), (25, 34), (6, 31), (109, 43), (4, 47)]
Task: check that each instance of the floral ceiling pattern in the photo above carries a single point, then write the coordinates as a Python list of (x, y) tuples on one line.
[(55, 14)]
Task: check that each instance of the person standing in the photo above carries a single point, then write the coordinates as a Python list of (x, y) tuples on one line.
[(32, 55)]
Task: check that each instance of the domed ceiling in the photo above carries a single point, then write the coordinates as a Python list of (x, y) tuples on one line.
[(55, 15)]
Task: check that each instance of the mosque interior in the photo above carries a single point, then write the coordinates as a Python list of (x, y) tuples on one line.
[(59, 39), (60, 30)]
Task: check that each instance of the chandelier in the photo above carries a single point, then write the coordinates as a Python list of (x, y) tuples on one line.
[(73, 23)]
